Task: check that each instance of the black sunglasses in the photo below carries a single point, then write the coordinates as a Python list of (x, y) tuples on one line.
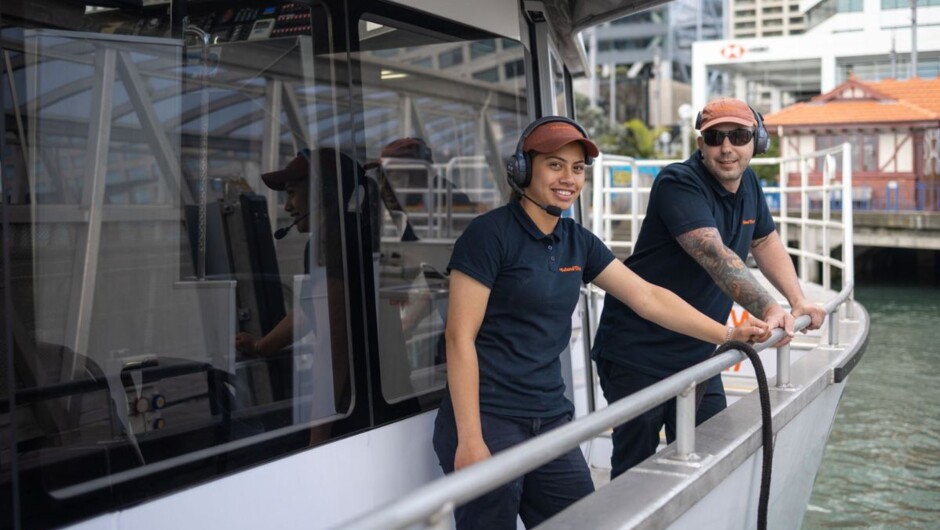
[(738, 137)]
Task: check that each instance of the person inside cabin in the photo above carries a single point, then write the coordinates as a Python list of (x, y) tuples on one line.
[(515, 279), (295, 179), (705, 214)]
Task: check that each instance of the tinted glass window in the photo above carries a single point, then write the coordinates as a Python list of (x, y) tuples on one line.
[(160, 328), (437, 143)]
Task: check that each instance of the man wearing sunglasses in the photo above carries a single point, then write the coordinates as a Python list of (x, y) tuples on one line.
[(704, 216)]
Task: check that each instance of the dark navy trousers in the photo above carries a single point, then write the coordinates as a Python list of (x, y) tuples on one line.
[(637, 439), (534, 497)]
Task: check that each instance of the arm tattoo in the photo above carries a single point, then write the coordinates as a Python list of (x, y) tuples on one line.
[(726, 268)]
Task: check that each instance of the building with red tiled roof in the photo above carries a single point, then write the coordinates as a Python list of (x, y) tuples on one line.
[(893, 126)]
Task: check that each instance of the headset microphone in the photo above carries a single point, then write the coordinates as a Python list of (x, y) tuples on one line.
[(281, 233), (550, 209)]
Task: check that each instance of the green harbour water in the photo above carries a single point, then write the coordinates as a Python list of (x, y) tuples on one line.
[(881, 468)]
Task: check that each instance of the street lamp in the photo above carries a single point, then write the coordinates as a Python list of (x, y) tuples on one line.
[(664, 140)]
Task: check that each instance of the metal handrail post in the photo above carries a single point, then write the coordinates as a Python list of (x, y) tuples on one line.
[(804, 215), (848, 227), (783, 367), (608, 191), (685, 424), (834, 327), (596, 193)]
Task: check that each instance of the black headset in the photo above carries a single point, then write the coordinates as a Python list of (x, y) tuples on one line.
[(519, 167), (761, 137)]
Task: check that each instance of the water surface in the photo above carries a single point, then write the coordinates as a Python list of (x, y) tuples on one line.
[(882, 464)]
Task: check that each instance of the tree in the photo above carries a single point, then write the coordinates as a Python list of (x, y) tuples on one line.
[(632, 138), (638, 141), (769, 173)]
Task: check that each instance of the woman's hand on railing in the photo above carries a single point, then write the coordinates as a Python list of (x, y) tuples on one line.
[(752, 330), (777, 317), (470, 452)]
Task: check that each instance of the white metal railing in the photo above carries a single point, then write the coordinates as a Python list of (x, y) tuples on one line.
[(835, 186), (432, 505)]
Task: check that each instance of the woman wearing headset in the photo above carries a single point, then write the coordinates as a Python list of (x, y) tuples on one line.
[(515, 280)]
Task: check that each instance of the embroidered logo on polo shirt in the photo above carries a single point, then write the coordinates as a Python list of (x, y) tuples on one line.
[(573, 268), (748, 222)]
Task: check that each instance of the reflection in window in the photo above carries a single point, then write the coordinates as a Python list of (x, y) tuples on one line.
[(490, 74), (450, 58), (437, 147), (142, 245), (560, 106), (514, 69), (423, 62), (481, 48)]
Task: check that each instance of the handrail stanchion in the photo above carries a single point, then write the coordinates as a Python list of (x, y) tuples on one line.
[(608, 192), (848, 227), (804, 215), (834, 327), (685, 424), (783, 367), (596, 193)]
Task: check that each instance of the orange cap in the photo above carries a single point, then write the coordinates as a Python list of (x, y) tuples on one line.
[(727, 110), (552, 136)]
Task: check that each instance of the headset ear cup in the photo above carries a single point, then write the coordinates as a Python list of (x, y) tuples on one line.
[(763, 142), (761, 136), (515, 170)]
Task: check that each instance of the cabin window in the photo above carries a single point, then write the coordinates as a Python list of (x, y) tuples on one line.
[(139, 239), (436, 141)]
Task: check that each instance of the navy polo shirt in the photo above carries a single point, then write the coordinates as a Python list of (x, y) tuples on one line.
[(684, 196), (535, 281)]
